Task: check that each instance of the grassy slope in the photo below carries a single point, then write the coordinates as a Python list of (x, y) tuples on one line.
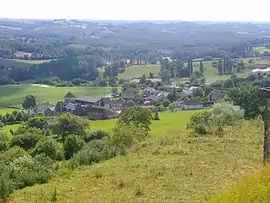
[(14, 94), (252, 188), (169, 167), (138, 71)]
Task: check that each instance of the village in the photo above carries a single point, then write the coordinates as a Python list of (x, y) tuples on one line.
[(167, 96)]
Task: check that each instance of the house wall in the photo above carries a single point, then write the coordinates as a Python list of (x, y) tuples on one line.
[(190, 107)]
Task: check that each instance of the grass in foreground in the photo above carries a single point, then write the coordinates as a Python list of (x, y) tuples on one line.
[(252, 188), (172, 167), (15, 94), (138, 70)]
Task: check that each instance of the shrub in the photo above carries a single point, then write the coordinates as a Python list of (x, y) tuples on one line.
[(199, 122), (12, 154), (72, 144), (6, 184), (93, 152), (3, 141), (98, 135), (26, 141), (47, 146), (221, 114), (26, 171)]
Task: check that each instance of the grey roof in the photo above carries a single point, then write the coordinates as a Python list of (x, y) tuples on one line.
[(192, 102), (70, 106), (69, 95), (88, 99)]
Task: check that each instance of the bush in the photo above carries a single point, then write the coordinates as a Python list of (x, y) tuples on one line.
[(26, 141), (98, 135), (93, 152), (221, 114), (12, 154), (6, 184), (3, 141), (26, 171), (47, 146), (72, 144)]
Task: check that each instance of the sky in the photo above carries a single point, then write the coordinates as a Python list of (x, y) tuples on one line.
[(187, 10)]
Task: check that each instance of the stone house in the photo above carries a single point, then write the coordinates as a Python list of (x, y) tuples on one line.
[(192, 105)]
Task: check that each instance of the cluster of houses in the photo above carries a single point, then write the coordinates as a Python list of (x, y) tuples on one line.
[(112, 106)]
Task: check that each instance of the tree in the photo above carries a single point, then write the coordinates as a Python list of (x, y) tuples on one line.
[(67, 124), (29, 102), (201, 66), (19, 117), (138, 116), (156, 117), (248, 98), (166, 103), (47, 146), (165, 75), (72, 144), (143, 79), (12, 119), (151, 75)]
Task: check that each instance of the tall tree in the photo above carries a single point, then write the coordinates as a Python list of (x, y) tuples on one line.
[(29, 102), (201, 66)]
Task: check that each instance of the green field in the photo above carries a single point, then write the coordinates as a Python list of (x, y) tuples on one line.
[(168, 167), (20, 62), (32, 62), (260, 50), (138, 70), (22, 54), (169, 123), (210, 72), (78, 46), (6, 110), (252, 188), (14, 94)]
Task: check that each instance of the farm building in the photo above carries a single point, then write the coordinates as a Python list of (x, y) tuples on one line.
[(192, 105)]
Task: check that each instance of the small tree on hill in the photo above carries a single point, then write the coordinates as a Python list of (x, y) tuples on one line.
[(138, 116), (29, 102)]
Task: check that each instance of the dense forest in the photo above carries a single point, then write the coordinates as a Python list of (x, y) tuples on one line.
[(76, 49)]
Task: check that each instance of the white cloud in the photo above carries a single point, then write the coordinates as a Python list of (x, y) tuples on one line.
[(138, 9)]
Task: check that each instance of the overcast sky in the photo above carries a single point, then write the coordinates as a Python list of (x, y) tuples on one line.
[(212, 10)]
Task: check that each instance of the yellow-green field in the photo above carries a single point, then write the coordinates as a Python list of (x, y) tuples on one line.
[(22, 54), (139, 70), (13, 95), (78, 46), (3, 111), (252, 188), (261, 50), (30, 61), (168, 167), (170, 122)]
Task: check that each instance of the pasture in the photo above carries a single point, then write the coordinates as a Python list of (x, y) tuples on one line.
[(3, 111), (261, 50), (137, 71), (21, 54), (78, 46), (168, 167), (170, 122), (13, 95), (20, 63)]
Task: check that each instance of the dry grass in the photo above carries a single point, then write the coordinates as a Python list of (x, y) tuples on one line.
[(173, 167)]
